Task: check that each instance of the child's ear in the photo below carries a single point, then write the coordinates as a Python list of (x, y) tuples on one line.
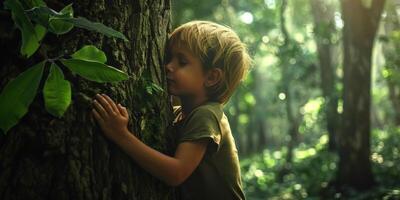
[(213, 77)]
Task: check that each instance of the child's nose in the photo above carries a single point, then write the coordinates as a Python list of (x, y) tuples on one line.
[(169, 66)]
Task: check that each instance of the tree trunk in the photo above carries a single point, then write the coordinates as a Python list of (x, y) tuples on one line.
[(360, 25), (324, 27), (43, 157)]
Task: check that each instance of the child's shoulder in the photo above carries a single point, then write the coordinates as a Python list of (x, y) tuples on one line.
[(209, 109)]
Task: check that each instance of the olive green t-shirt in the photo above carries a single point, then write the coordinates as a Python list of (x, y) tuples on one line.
[(218, 174)]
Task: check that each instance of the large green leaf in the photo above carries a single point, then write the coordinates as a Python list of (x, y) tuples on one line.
[(82, 22), (95, 71), (90, 53), (59, 26), (30, 42), (42, 15), (18, 94), (56, 92)]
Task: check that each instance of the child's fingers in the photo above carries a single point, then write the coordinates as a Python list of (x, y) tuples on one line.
[(99, 109), (97, 115), (104, 103), (111, 102), (123, 110)]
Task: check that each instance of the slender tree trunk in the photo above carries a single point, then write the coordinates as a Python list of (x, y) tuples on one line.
[(293, 122), (292, 117), (360, 25), (69, 158), (324, 28)]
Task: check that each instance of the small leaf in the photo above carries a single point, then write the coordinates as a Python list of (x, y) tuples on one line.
[(40, 32), (152, 87), (56, 92), (59, 26), (67, 10), (95, 71), (18, 94), (90, 53), (82, 22), (30, 42)]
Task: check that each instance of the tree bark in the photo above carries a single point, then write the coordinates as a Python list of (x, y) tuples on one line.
[(360, 25), (43, 157)]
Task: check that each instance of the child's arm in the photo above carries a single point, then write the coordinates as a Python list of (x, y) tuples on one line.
[(113, 120)]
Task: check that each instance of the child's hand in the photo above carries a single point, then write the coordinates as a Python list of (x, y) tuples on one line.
[(113, 119)]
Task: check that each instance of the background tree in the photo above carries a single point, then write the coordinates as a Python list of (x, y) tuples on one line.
[(69, 158), (361, 22), (324, 29)]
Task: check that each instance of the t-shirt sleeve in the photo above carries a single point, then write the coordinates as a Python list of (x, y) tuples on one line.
[(202, 123)]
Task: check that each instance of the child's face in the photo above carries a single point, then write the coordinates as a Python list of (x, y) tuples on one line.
[(185, 76)]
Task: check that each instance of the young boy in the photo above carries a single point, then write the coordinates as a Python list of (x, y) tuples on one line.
[(205, 63)]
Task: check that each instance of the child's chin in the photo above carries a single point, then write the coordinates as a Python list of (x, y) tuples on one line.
[(171, 91)]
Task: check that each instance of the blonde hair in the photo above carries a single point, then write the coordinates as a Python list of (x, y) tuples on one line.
[(217, 46)]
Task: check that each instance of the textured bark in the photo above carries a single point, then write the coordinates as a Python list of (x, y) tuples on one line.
[(324, 27), (360, 25), (69, 158)]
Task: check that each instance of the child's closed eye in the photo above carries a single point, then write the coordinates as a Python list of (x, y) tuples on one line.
[(182, 60)]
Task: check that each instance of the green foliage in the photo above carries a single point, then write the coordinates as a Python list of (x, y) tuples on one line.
[(90, 53), (63, 21), (30, 38), (88, 62), (59, 26), (56, 92), (148, 94), (82, 22), (94, 71), (392, 71), (18, 94)]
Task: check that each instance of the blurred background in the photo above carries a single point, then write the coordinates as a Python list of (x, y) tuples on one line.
[(318, 116)]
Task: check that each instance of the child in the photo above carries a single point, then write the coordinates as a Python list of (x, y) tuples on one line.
[(205, 63)]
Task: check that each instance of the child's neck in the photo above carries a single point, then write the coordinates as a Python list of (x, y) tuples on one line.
[(188, 104)]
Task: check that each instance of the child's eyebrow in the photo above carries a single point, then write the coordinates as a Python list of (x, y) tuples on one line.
[(181, 55)]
